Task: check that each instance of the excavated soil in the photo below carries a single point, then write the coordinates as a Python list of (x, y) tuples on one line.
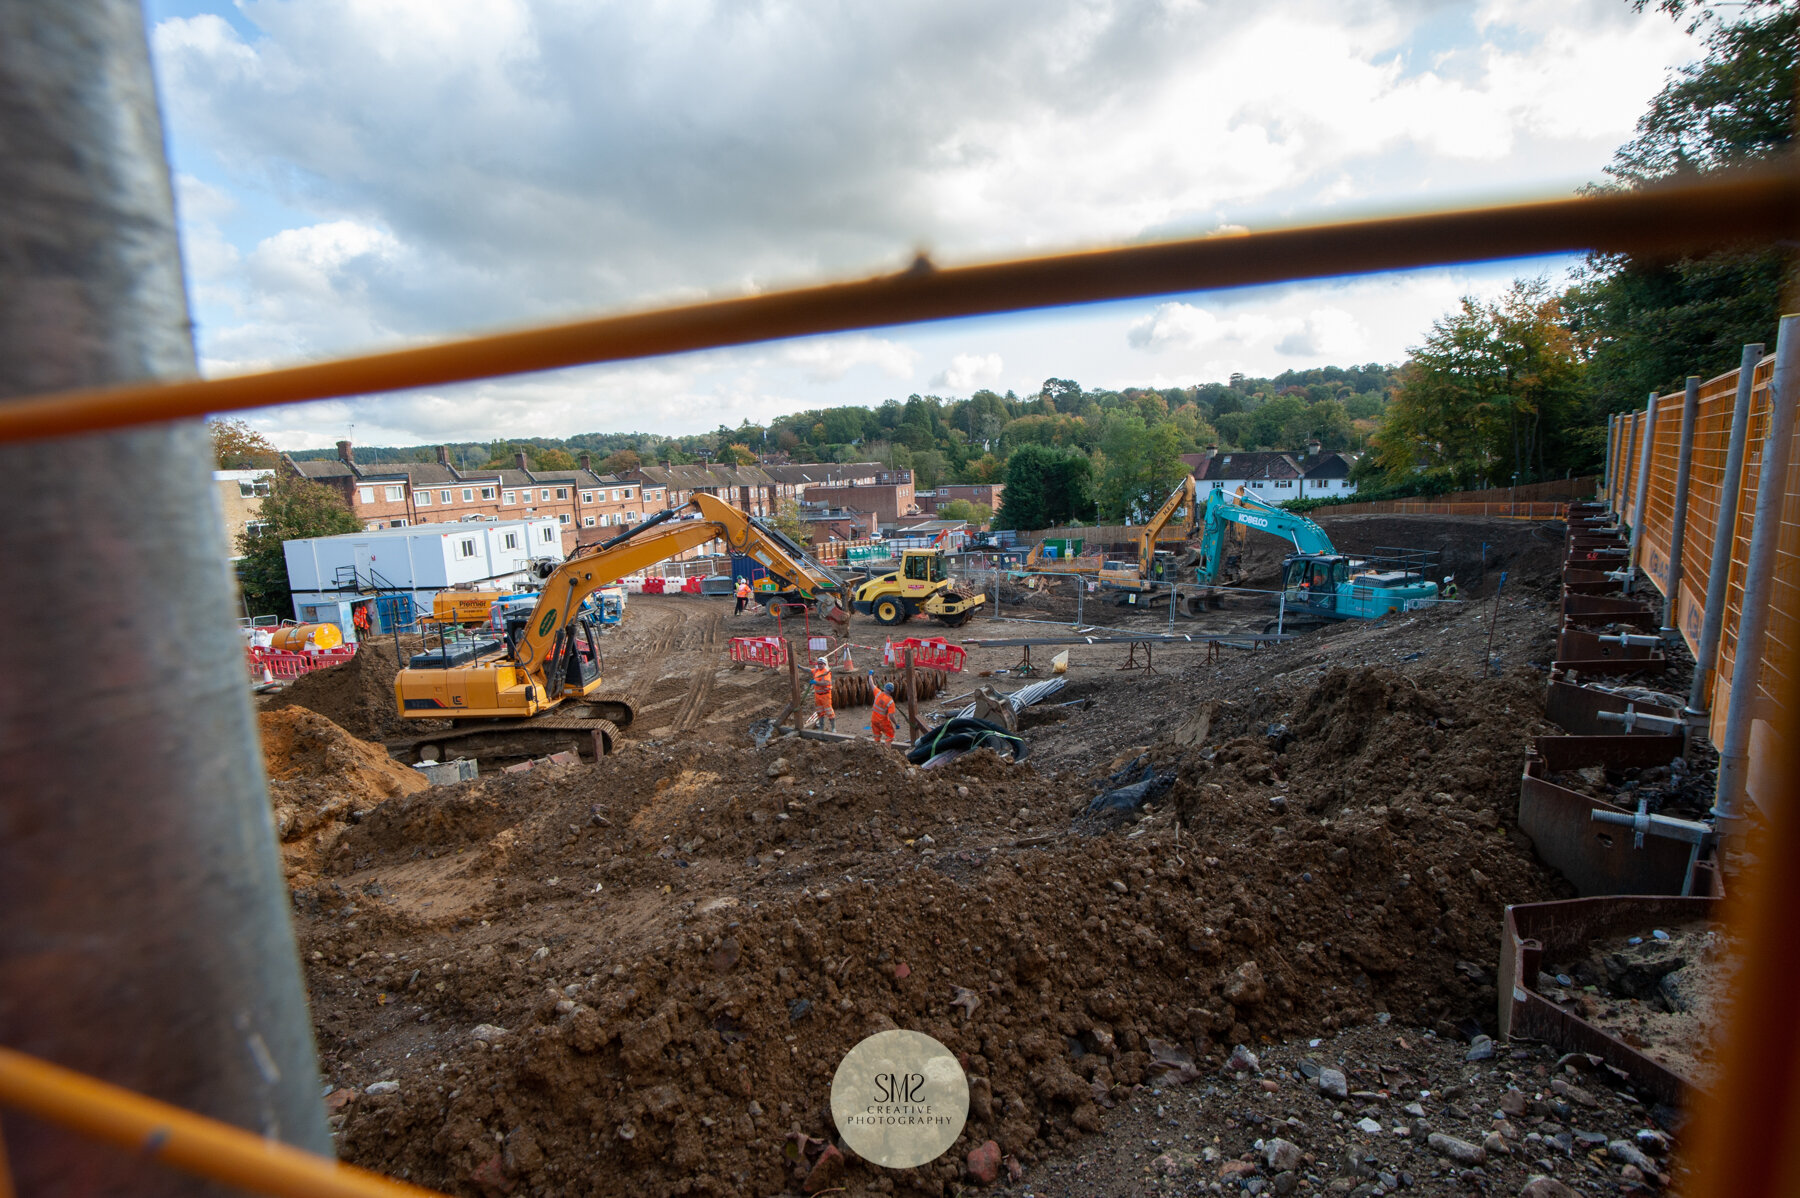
[(357, 695), (639, 975), (319, 778)]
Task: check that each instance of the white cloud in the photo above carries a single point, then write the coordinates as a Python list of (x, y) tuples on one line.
[(488, 163), (970, 372)]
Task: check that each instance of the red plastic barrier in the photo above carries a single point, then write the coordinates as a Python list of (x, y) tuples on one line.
[(691, 586), (770, 651), (653, 586), (266, 665), (929, 653)]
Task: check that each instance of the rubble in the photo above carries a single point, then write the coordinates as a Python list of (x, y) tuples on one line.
[(718, 924)]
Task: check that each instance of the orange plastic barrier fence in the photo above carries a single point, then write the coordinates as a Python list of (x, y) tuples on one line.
[(1712, 435)]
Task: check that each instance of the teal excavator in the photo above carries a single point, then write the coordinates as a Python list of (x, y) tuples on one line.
[(1320, 584)]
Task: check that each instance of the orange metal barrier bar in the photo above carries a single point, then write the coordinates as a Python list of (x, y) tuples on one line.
[(171, 1136), (1759, 207)]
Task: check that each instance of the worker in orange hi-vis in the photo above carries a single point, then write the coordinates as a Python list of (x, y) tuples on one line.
[(743, 596), (821, 689), (881, 716)]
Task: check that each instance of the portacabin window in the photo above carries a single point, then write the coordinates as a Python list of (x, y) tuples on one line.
[(512, 540), (465, 547), (549, 533)]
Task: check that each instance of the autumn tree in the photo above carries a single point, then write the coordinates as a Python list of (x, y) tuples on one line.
[(237, 446), (296, 507), (623, 461), (1494, 393)]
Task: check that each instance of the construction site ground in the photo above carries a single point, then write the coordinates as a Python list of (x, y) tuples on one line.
[(637, 976)]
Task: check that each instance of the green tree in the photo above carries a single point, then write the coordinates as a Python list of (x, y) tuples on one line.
[(551, 459), (296, 507), (1045, 486), (1645, 325), (787, 520), (928, 469), (1142, 464), (237, 446)]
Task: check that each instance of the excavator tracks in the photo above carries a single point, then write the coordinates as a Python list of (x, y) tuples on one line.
[(500, 741)]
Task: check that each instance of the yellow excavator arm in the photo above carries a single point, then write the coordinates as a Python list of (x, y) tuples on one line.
[(571, 581), (1182, 495)]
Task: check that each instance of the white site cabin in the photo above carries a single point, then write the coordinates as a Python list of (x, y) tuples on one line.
[(326, 573)]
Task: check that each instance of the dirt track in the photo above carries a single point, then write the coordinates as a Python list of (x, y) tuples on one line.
[(681, 942)]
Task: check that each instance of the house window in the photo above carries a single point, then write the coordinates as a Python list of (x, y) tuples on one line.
[(631, 515), (465, 548), (396, 524), (394, 494), (252, 490), (443, 497), (545, 494), (562, 492), (468, 495), (365, 494), (587, 497), (549, 533), (256, 528), (587, 522), (562, 518), (512, 540), (423, 498), (509, 497), (626, 493), (487, 492)]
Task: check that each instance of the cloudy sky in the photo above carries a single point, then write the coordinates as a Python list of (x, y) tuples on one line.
[(356, 174)]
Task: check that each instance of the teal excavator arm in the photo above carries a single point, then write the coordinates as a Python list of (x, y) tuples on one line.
[(1252, 512)]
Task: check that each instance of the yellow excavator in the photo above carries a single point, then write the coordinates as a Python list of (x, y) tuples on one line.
[(541, 691)]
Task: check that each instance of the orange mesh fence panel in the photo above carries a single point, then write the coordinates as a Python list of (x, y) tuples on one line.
[(1712, 442), (1778, 664), (1628, 465), (1659, 496)]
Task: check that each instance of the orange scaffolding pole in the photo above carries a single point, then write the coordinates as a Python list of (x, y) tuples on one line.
[(171, 1136), (1763, 206)]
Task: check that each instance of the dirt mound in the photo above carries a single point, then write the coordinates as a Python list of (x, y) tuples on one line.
[(683, 941), (357, 696), (318, 775)]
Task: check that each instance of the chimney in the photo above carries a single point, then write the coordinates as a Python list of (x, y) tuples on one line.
[(1211, 452), (665, 463), (587, 462), (519, 460), (344, 453), (443, 455), (1313, 447)]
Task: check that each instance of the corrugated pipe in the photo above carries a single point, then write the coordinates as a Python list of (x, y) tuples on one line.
[(1765, 534), (1643, 488), (1684, 461), (1707, 653)]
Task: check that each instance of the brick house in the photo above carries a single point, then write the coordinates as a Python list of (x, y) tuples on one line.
[(400, 494), (750, 489), (889, 498)]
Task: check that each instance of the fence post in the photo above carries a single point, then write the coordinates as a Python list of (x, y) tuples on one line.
[(1642, 492), (1719, 571), (1684, 460), (1765, 535), (1611, 430)]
